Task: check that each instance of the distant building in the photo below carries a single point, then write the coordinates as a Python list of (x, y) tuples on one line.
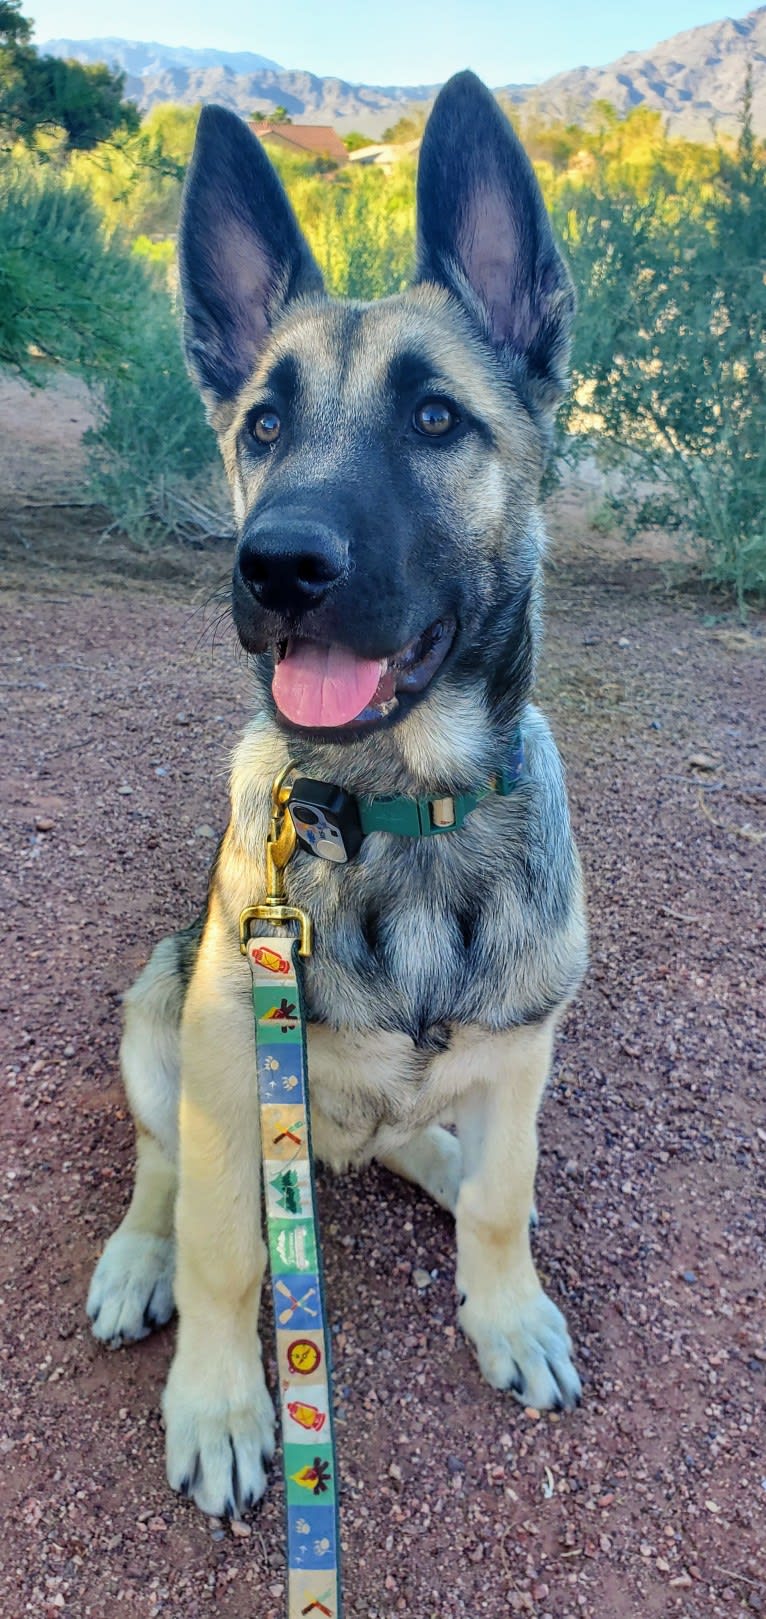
[(312, 140), (384, 156)]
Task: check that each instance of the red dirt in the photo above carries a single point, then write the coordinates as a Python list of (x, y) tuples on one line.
[(651, 1500)]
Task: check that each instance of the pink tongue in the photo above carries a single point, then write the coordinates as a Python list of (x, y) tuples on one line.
[(319, 686)]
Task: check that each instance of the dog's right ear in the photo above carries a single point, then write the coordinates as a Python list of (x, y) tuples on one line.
[(242, 256)]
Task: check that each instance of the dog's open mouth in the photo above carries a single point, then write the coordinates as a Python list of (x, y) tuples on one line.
[(327, 688)]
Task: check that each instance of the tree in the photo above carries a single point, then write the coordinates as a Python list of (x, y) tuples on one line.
[(355, 141), (408, 128), (44, 93)]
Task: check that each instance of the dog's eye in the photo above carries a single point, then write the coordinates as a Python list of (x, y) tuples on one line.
[(434, 418), (265, 426)]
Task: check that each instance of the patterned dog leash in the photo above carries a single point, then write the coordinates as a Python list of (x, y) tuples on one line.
[(329, 823), (302, 1334)]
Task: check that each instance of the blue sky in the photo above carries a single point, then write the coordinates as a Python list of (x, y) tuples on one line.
[(392, 41)]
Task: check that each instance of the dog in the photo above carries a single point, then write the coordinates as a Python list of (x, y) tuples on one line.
[(385, 463)]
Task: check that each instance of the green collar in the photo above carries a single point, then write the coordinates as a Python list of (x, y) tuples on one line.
[(427, 817), (331, 824)]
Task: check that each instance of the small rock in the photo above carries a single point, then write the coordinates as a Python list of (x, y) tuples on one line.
[(183, 719), (702, 761), (218, 1534), (421, 1278), (125, 791), (240, 1530), (681, 1582), (69, 1050), (395, 1472), (623, 641), (43, 823), (689, 1276), (205, 831), (455, 1465)]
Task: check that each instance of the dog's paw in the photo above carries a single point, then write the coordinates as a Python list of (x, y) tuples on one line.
[(131, 1292), (217, 1450), (525, 1347)]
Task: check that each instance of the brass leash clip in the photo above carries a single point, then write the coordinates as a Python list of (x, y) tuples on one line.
[(280, 848)]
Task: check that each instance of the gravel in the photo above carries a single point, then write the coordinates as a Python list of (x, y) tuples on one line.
[(120, 708)]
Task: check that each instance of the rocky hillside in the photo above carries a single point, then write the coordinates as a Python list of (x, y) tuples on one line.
[(695, 79)]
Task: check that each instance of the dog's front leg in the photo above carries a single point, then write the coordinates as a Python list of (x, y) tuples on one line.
[(520, 1335), (218, 1414)]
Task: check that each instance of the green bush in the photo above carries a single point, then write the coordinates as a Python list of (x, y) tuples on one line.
[(152, 455), (670, 357), (63, 294), (77, 298)]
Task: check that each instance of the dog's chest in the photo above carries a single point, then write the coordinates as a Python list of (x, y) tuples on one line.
[(415, 939)]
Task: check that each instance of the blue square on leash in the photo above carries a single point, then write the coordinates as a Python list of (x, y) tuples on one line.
[(279, 1073), (297, 1301), (311, 1531)]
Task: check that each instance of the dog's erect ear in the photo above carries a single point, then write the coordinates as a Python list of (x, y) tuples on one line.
[(483, 232), (242, 255)]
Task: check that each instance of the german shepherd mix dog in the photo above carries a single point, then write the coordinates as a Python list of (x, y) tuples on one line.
[(385, 462)]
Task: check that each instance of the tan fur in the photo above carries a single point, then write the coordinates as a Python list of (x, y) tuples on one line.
[(364, 1103), (216, 1391)]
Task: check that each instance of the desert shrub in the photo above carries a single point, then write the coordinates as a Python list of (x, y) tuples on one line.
[(362, 230), (135, 180), (63, 295), (73, 296), (360, 223), (152, 454), (670, 356)]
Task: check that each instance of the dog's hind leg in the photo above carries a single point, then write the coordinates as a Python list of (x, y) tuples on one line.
[(131, 1292), (431, 1159)]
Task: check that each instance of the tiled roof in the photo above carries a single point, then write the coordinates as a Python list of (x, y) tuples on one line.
[(320, 139)]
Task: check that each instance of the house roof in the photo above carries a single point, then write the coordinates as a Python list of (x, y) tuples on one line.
[(320, 139), (384, 154)]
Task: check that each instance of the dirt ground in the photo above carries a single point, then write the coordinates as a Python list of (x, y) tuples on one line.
[(122, 695)]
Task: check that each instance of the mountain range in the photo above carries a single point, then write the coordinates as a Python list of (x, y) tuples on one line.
[(695, 79)]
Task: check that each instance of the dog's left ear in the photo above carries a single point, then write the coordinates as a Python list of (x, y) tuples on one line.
[(484, 233)]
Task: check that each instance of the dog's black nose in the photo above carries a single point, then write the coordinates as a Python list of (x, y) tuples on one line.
[(289, 566)]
